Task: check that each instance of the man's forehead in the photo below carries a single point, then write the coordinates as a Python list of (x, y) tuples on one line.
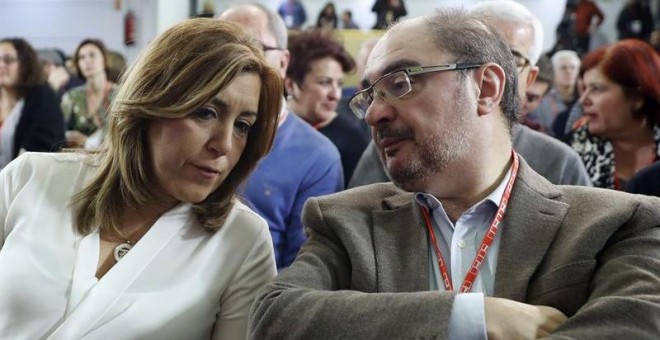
[(403, 46), (250, 18)]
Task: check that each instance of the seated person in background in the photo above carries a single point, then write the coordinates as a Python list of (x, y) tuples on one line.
[(535, 93), (646, 181), (621, 103), (468, 242), (85, 107), (302, 163), (59, 79), (145, 239), (563, 95), (552, 159), (313, 83), (30, 115)]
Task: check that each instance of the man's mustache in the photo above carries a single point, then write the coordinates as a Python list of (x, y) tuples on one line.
[(388, 131)]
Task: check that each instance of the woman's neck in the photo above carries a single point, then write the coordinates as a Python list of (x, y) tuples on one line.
[(633, 152), (8, 94), (97, 82)]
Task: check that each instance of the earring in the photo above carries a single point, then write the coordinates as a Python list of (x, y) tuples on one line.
[(290, 97)]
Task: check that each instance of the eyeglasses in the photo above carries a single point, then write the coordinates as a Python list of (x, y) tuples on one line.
[(521, 61), (395, 85), (8, 59), (267, 48)]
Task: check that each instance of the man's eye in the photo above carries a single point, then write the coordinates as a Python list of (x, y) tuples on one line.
[(205, 113)]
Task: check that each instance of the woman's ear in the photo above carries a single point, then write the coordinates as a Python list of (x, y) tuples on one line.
[(490, 81)]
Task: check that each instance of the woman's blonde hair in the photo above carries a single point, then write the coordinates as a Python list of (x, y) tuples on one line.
[(183, 69)]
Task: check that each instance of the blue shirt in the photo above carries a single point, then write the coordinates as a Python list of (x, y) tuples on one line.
[(459, 244), (301, 164)]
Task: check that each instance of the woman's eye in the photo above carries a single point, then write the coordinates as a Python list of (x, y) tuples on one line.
[(205, 113), (243, 127)]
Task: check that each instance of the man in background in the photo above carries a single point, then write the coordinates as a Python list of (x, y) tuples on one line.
[(302, 162)]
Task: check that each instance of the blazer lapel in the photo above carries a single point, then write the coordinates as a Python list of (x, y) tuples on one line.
[(533, 217), (400, 246)]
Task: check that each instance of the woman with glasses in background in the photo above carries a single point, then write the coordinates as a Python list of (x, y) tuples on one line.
[(85, 107), (30, 116), (621, 134)]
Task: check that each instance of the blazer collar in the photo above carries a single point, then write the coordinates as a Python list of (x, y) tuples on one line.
[(533, 217), (400, 245)]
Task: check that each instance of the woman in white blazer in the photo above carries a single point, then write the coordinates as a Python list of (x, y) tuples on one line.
[(146, 239)]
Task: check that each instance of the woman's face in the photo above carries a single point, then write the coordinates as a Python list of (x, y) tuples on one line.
[(193, 155), (316, 99), (608, 110), (9, 65), (90, 60)]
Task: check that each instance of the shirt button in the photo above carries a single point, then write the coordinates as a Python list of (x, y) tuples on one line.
[(461, 244)]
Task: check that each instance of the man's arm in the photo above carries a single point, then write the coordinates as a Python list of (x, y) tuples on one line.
[(624, 300), (316, 297)]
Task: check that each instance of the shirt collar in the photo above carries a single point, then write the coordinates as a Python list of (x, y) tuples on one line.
[(432, 203)]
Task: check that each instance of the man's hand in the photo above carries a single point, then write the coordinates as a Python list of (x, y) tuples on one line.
[(508, 319)]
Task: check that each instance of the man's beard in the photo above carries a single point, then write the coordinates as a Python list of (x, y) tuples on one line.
[(435, 153)]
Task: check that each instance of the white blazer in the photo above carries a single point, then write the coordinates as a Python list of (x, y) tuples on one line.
[(178, 282)]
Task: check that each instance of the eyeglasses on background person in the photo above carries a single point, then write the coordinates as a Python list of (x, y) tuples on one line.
[(395, 85), (521, 61)]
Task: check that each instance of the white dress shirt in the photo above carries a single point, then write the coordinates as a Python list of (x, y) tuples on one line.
[(458, 245), (178, 281)]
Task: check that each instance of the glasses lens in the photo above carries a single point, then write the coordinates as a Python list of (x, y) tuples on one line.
[(359, 103), (7, 59), (394, 86)]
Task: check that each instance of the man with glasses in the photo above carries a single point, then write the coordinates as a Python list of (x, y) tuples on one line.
[(468, 242), (554, 160), (302, 162)]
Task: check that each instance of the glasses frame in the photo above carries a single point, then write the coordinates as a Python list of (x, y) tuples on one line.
[(527, 63), (408, 71), (8, 59)]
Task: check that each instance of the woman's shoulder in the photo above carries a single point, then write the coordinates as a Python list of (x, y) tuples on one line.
[(48, 162), (243, 214)]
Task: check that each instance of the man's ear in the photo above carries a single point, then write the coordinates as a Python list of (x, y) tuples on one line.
[(531, 75), (290, 87), (490, 81), (284, 62)]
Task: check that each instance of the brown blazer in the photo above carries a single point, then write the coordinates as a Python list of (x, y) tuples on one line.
[(592, 253)]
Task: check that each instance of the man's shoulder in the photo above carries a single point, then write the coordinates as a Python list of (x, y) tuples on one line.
[(606, 202), (527, 139), (369, 196)]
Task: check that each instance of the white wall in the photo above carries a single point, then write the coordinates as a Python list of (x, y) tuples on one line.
[(64, 23)]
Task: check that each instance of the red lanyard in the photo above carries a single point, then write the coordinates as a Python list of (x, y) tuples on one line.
[(471, 275)]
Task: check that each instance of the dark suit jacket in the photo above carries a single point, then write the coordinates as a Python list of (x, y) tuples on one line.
[(646, 181), (41, 125), (594, 254)]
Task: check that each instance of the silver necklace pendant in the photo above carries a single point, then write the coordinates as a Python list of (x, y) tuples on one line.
[(121, 250)]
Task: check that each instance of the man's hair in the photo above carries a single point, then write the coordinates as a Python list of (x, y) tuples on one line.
[(104, 53), (546, 73), (564, 54), (635, 66), (275, 24), (29, 67), (311, 45), (471, 39), (513, 12), (49, 55), (180, 71)]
